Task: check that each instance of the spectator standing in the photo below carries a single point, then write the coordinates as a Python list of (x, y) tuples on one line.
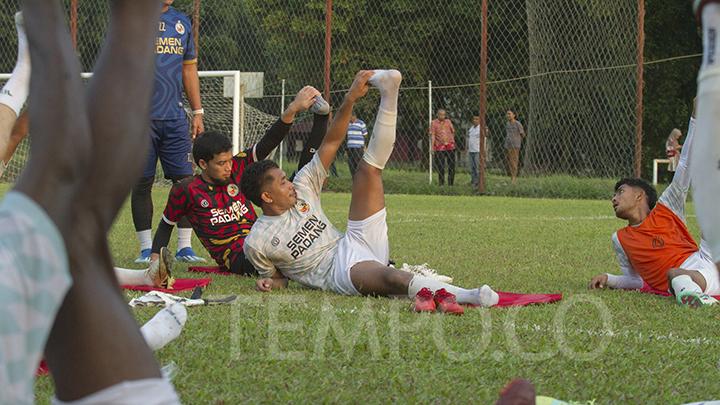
[(356, 134), (672, 148), (514, 135), (443, 137), (474, 150)]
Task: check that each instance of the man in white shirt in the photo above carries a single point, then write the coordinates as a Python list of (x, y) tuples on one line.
[(474, 150), (293, 239)]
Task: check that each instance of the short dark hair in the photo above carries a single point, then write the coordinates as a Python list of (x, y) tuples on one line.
[(255, 178), (650, 191), (208, 144)]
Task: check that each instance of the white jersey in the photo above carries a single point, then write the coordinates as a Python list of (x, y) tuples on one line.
[(301, 243)]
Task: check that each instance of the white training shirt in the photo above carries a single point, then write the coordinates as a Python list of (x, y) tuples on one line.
[(301, 243)]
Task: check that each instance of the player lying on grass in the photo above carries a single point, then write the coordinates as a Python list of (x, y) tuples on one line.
[(218, 211), (293, 239), (656, 246), (705, 165), (59, 293)]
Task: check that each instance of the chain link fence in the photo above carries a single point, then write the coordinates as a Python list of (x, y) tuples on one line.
[(567, 68)]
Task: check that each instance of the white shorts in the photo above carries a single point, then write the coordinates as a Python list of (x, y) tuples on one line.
[(702, 262), (34, 277), (364, 241)]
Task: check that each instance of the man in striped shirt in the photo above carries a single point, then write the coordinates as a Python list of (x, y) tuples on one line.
[(356, 134)]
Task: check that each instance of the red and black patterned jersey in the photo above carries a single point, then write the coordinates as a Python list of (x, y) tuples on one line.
[(220, 215)]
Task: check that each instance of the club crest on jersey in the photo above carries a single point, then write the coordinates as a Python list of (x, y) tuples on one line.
[(180, 28), (303, 207), (204, 203), (241, 154), (275, 241), (232, 190)]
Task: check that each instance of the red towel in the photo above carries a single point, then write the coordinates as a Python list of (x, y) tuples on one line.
[(508, 299), (181, 284), (650, 290), (210, 269)]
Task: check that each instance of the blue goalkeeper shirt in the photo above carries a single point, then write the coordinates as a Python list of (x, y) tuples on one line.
[(174, 47)]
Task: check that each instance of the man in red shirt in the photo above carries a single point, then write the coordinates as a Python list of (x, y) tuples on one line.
[(656, 246), (443, 137)]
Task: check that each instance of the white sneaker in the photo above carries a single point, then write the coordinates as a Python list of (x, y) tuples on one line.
[(426, 271), (693, 299)]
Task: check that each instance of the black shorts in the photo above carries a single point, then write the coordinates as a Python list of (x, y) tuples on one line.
[(239, 264)]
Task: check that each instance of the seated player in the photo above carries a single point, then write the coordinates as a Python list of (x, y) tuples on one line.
[(656, 246), (705, 166), (293, 239), (212, 201), (58, 291)]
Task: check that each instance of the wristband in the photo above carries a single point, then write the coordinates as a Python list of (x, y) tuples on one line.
[(199, 111)]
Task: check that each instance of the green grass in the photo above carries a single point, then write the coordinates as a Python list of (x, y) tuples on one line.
[(608, 346), (405, 181)]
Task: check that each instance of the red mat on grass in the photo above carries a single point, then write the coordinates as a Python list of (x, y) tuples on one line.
[(508, 299), (181, 284), (649, 290), (211, 270)]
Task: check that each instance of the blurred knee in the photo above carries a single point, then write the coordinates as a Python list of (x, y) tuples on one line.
[(396, 278)]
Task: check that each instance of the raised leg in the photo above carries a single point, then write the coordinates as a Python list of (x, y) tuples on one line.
[(88, 152), (368, 196)]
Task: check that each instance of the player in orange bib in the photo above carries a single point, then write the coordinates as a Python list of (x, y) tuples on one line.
[(656, 246)]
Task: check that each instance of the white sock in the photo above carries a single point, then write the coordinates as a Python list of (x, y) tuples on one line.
[(145, 239), (705, 157), (684, 283), (133, 277), (382, 140), (484, 295), (165, 326), (15, 91), (184, 238)]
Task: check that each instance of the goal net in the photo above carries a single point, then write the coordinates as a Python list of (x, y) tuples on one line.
[(221, 102)]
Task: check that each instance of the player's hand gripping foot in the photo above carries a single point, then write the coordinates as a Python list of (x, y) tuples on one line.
[(446, 303), (424, 301), (187, 255), (694, 299), (160, 271), (144, 256)]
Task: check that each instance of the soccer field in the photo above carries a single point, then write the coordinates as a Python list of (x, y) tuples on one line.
[(305, 346)]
